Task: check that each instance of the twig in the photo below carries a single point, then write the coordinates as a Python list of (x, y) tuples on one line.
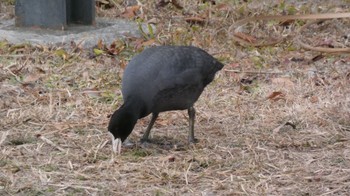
[(51, 143), (3, 137), (12, 55), (186, 174), (253, 72), (74, 186)]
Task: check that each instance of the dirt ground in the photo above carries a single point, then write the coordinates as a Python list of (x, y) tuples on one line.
[(275, 121)]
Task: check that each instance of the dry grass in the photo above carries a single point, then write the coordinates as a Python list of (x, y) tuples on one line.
[(54, 112)]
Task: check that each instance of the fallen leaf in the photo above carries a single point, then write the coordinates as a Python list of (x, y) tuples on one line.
[(98, 52), (100, 44), (122, 64), (245, 37), (116, 47), (276, 95), (149, 42), (195, 20), (131, 11), (62, 53), (286, 22), (317, 57), (171, 158)]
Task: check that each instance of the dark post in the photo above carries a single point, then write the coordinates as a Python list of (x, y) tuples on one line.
[(55, 14), (41, 13), (81, 12)]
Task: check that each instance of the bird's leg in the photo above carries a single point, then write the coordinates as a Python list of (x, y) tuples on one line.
[(191, 114), (148, 130)]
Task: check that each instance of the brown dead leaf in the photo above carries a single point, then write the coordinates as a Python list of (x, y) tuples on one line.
[(284, 82), (245, 37), (122, 64), (314, 99), (171, 158), (286, 22), (116, 47), (138, 43), (100, 44), (130, 12), (141, 43), (317, 57), (276, 95), (195, 20), (149, 42)]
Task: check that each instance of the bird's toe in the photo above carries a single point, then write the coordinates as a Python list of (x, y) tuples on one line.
[(128, 144), (145, 140), (193, 140)]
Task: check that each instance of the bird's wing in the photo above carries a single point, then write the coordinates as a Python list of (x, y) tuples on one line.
[(178, 78)]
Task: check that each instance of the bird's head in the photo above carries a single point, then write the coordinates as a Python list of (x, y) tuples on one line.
[(120, 126)]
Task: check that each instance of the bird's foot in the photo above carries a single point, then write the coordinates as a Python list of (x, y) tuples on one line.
[(128, 144), (145, 140), (193, 140)]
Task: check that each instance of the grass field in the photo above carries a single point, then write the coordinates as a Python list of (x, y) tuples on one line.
[(275, 121)]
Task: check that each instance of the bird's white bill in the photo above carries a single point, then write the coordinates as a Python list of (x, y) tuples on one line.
[(117, 145)]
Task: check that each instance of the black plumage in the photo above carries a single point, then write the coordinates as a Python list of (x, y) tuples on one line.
[(161, 79)]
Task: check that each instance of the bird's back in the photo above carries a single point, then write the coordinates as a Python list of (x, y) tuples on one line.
[(169, 77)]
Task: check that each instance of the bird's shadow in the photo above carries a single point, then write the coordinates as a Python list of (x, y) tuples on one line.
[(162, 143)]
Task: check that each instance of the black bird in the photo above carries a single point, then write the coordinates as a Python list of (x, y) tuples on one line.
[(161, 79)]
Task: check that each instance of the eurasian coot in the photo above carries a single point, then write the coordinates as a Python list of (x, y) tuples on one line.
[(161, 79)]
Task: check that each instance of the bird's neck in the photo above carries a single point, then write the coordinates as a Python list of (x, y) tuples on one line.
[(124, 119), (136, 106)]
